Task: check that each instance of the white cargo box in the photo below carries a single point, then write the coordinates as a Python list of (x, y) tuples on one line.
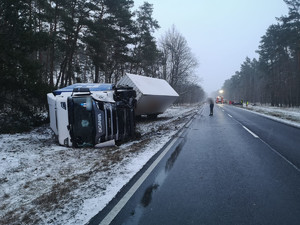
[(153, 95)]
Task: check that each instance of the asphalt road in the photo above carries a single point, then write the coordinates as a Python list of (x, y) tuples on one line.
[(235, 167)]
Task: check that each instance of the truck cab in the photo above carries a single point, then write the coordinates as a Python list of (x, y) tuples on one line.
[(88, 114)]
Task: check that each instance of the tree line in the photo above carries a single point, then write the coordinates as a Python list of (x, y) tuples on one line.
[(275, 77), (48, 44)]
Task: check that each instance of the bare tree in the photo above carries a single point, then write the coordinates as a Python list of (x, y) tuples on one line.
[(178, 61)]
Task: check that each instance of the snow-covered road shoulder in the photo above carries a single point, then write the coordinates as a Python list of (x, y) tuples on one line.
[(290, 116)]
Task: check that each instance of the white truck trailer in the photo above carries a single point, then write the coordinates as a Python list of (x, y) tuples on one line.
[(153, 95)]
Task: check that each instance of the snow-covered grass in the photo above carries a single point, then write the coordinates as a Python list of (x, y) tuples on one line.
[(43, 183), (289, 116)]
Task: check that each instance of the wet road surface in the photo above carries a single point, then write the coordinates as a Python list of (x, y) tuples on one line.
[(231, 168)]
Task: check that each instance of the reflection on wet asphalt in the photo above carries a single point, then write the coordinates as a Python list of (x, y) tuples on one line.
[(218, 173), (150, 191), (146, 200), (173, 157)]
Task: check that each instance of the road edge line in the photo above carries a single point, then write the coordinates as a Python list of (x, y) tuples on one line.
[(269, 146), (280, 155), (118, 207), (279, 120)]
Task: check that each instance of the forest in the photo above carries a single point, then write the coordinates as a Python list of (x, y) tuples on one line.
[(273, 78), (48, 44)]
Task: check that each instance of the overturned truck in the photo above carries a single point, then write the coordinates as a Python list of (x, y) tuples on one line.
[(84, 115)]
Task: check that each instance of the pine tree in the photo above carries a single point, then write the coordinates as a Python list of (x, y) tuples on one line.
[(21, 42), (145, 53)]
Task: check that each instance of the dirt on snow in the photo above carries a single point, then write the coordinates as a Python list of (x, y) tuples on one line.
[(44, 183)]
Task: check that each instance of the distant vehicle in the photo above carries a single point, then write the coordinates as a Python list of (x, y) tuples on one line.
[(237, 103), (219, 100)]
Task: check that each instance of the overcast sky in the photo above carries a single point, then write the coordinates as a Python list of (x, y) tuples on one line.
[(220, 33)]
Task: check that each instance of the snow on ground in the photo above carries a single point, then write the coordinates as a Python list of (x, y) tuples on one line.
[(289, 116), (44, 183)]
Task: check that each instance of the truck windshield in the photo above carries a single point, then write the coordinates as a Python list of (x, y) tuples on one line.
[(83, 125)]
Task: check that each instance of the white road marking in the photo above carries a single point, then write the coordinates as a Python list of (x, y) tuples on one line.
[(254, 135), (229, 115), (118, 207), (274, 150)]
